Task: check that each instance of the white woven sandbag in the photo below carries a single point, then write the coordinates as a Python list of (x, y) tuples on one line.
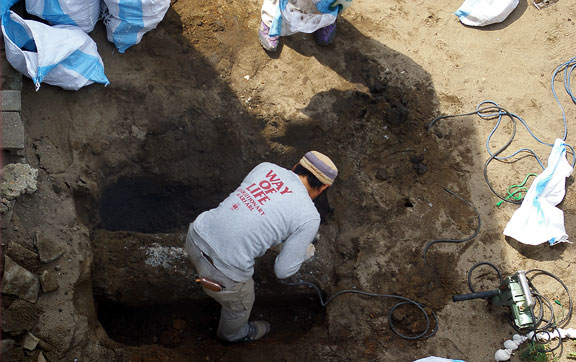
[(128, 20), (437, 359), (538, 220), (485, 12), (81, 13), (61, 55)]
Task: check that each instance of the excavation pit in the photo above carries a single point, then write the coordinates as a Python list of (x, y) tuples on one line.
[(176, 134), (195, 323)]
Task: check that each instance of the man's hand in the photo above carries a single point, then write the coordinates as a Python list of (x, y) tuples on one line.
[(310, 251)]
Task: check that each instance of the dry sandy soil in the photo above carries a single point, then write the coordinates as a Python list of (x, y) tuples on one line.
[(198, 103)]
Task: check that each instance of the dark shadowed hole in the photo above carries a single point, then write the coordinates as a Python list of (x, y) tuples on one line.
[(196, 323), (151, 205), (408, 203)]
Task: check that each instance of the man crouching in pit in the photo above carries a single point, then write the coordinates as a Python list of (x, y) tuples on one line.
[(272, 205)]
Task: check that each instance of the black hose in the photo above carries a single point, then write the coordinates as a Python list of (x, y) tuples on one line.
[(480, 264), (428, 331), (456, 241)]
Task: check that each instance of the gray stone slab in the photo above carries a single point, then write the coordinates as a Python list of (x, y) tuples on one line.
[(20, 282), (12, 131), (11, 101)]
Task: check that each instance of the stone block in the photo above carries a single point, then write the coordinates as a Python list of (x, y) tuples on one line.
[(20, 316), (30, 341), (49, 281), (23, 256), (20, 282), (11, 101), (12, 131)]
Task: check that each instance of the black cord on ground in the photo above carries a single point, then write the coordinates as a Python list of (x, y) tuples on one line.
[(455, 241), (428, 331), (476, 266)]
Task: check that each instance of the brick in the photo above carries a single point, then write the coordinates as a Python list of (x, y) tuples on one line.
[(11, 101), (12, 131)]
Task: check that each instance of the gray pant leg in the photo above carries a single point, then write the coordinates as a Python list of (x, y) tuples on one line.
[(236, 299), (236, 307)]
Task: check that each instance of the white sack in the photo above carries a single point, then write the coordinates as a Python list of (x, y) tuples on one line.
[(296, 21), (61, 55), (538, 219), (128, 20), (81, 13), (485, 12), (437, 359)]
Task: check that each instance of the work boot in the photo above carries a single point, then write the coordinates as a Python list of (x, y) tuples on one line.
[(256, 330), (325, 35), (269, 43)]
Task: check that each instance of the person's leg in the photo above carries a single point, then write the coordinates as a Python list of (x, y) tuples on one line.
[(269, 9), (325, 35), (236, 300), (236, 305)]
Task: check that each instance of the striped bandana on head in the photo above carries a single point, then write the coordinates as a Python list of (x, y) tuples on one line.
[(320, 166)]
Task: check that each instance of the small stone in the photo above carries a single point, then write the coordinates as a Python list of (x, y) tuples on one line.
[(20, 282), (49, 249), (30, 341), (41, 357), (48, 281)]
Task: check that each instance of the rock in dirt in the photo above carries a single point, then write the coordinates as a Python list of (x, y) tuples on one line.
[(20, 316), (49, 156), (48, 281), (23, 256), (49, 249), (30, 341), (20, 282), (41, 357), (17, 179)]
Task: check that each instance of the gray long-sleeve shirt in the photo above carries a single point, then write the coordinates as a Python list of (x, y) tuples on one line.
[(271, 206)]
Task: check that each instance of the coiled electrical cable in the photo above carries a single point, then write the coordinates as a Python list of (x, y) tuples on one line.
[(552, 324), (455, 241), (428, 332), (491, 110)]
